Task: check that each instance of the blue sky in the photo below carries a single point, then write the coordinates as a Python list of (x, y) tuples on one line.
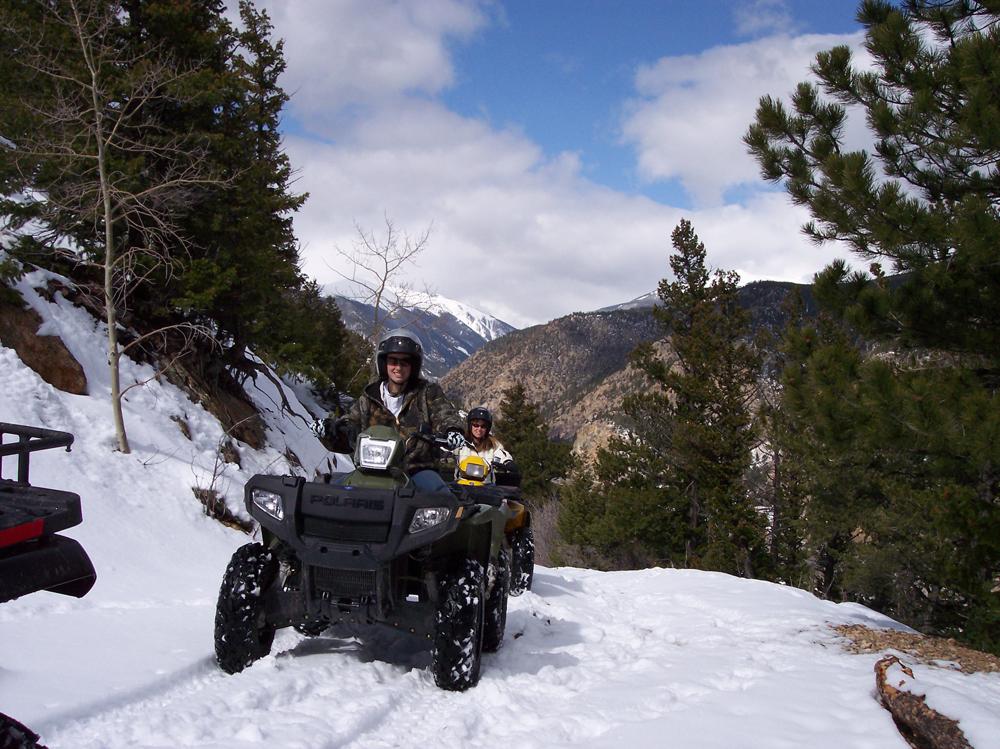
[(549, 147), (561, 70)]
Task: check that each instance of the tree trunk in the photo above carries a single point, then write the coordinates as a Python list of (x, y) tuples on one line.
[(921, 726), (114, 353)]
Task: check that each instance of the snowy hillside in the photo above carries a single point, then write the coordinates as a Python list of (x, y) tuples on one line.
[(633, 659)]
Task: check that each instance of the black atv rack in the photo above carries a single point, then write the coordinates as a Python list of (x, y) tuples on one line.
[(32, 556)]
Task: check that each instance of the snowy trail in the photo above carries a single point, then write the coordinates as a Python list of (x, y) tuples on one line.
[(590, 659)]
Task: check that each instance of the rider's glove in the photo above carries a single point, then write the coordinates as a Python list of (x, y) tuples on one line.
[(318, 427), (455, 440)]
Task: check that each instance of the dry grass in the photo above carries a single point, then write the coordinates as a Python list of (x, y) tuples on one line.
[(922, 647)]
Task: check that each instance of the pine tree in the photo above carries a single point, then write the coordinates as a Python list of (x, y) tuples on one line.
[(709, 425), (87, 152), (525, 435), (248, 266), (915, 428), (226, 263), (674, 488)]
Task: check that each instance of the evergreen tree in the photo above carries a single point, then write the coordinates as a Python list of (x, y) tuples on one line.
[(87, 154), (914, 429), (780, 483), (526, 436), (674, 487), (310, 340), (247, 268), (709, 422), (233, 264)]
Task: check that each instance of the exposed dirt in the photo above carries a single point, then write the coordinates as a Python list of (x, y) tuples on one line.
[(925, 648), (46, 354)]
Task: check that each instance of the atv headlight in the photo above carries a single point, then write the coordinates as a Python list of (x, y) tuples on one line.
[(270, 503), (473, 471), (428, 517), (373, 453)]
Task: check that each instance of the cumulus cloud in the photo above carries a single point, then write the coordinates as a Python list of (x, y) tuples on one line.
[(764, 17), (516, 231), (363, 53), (691, 112), (522, 237)]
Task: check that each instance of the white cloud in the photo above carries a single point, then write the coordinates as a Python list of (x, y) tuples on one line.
[(365, 52), (764, 17), (693, 110), (517, 232), (521, 237)]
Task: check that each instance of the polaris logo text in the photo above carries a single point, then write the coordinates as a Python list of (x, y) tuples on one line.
[(357, 503)]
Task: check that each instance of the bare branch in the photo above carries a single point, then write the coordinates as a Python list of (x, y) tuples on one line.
[(375, 263)]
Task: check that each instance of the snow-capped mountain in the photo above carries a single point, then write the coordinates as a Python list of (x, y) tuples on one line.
[(450, 330), (640, 302)]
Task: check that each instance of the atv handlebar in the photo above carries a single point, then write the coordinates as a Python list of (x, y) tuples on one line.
[(440, 440)]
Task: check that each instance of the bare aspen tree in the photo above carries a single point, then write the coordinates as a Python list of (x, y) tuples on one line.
[(96, 155), (376, 263)]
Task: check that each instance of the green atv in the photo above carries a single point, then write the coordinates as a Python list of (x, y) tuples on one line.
[(370, 548)]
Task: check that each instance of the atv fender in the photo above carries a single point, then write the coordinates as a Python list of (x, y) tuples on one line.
[(53, 563), (517, 516), (485, 539)]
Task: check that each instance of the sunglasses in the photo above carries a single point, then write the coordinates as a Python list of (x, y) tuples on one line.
[(395, 361)]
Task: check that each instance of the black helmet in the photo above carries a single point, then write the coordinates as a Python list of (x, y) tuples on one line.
[(399, 341), (480, 413)]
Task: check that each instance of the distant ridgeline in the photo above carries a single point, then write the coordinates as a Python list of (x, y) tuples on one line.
[(450, 332), (576, 368)]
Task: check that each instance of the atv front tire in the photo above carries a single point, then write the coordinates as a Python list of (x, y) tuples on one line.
[(458, 627), (522, 552), (496, 605), (241, 635)]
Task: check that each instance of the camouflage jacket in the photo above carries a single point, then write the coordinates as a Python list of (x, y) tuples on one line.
[(425, 403)]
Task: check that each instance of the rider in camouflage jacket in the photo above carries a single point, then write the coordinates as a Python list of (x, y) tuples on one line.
[(420, 402)]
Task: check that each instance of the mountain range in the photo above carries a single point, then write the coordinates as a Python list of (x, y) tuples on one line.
[(576, 369), (450, 331)]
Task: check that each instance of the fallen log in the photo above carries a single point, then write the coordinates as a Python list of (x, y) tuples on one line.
[(921, 726)]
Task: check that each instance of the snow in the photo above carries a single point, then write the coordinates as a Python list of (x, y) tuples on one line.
[(484, 325), (639, 659)]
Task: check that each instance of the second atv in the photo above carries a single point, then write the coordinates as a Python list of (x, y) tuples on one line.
[(369, 548), (504, 484)]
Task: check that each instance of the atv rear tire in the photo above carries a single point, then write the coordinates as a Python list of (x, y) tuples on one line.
[(458, 627), (496, 605), (241, 636), (522, 551)]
